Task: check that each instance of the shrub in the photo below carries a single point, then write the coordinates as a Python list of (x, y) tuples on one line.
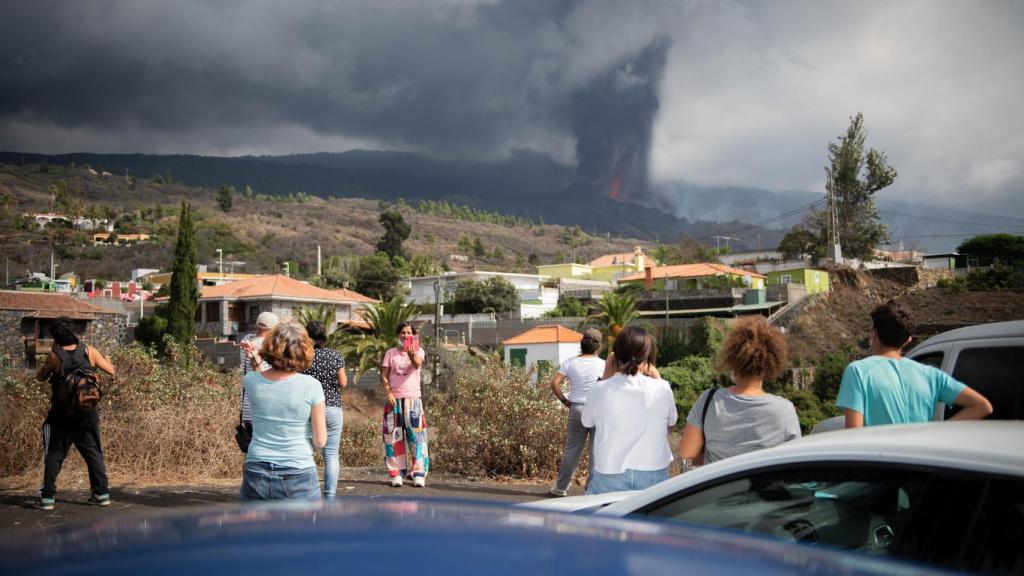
[(953, 285), (995, 279), (496, 422), (828, 374), (689, 377)]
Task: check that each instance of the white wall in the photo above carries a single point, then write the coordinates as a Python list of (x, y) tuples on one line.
[(554, 352)]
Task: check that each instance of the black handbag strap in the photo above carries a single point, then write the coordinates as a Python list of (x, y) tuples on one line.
[(707, 404)]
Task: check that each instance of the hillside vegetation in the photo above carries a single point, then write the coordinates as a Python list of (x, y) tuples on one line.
[(263, 231)]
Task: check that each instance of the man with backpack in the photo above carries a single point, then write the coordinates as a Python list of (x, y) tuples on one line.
[(74, 413)]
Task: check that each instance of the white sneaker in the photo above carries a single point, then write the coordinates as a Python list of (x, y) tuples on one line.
[(556, 492), (396, 481), (419, 481)]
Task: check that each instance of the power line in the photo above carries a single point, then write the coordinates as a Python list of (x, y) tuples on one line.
[(952, 235), (951, 221), (783, 216)]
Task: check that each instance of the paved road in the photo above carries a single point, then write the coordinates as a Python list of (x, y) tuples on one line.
[(17, 514)]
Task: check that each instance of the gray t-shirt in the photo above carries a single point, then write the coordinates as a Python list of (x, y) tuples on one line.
[(738, 424)]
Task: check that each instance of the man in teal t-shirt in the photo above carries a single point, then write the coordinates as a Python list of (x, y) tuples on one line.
[(888, 389)]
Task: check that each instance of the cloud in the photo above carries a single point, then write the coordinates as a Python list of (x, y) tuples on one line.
[(748, 94)]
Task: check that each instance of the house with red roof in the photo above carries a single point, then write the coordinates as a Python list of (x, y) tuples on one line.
[(26, 317), (544, 347), (231, 309)]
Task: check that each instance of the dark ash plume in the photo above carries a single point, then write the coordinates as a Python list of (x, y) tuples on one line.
[(612, 119)]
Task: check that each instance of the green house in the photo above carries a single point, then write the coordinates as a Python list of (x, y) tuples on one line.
[(814, 279)]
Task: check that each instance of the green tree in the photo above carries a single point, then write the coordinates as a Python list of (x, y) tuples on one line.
[(225, 197), (363, 352), (479, 250), (465, 244), (533, 259), (800, 242), (689, 377), (422, 265), (248, 192), (988, 248), (495, 295), (856, 177), (396, 231), (687, 251), (568, 308), (181, 308), (375, 276), (614, 311)]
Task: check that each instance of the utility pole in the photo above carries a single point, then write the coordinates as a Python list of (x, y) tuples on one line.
[(437, 331), (833, 251), (666, 298), (319, 268), (52, 266), (220, 268)]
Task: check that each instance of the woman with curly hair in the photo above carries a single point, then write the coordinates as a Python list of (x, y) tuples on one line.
[(742, 418), (288, 420)]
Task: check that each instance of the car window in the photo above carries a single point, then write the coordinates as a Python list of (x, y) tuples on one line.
[(1001, 550), (931, 359), (998, 374), (853, 507), (926, 516)]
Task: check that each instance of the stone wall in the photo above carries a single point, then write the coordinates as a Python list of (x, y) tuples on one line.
[(106, 332), (12, 347)]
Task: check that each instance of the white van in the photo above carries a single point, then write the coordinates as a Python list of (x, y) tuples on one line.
[(987, 357)]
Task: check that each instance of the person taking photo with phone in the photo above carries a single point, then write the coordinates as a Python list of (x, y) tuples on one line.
[(405, 423)]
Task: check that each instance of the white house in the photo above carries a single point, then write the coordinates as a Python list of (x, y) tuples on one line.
[(534, 298), (545, 347)]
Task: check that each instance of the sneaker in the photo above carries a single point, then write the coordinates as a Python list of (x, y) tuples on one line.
[(99, 500), (43, 503), (557, 492), (419, 481), (396, 481)]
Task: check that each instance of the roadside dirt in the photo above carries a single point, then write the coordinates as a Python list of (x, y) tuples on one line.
[(17, 514)]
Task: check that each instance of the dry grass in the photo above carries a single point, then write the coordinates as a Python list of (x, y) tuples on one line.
[(164, 421), (172, 421)]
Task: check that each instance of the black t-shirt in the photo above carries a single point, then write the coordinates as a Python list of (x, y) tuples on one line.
[(326, 363)]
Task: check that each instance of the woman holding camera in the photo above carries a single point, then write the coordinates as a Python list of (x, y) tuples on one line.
[(405, 424)]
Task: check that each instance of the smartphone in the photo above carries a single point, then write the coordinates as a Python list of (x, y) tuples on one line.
[(411, 342)]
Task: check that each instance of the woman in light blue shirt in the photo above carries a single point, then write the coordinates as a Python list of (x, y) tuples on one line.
[(288, 420)]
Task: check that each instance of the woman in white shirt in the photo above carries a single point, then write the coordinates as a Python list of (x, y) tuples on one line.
[(582, 372), (631, 414)]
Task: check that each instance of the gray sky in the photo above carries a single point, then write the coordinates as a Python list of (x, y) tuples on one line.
[(750, 92)]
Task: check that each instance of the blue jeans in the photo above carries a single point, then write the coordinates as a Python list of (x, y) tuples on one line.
[(332, 464), (628, 480), (268, 481)]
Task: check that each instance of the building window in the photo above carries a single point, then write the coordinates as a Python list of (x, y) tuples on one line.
[(213, 311), (786, 279)]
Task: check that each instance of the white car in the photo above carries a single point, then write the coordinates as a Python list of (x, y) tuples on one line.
[(949, 494)]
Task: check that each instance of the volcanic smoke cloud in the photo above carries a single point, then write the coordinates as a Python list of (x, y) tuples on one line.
[(612, 119)]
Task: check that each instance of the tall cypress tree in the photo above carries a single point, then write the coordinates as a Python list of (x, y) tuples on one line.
[(181, 309)]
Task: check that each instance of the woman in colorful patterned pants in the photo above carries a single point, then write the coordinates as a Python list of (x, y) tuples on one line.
[(404, 426)]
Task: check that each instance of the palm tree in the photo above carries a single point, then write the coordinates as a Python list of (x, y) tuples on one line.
[(365, 351), (323, 313), (614, 312)]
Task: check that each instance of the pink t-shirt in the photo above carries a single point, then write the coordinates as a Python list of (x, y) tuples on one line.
[(405, 376)]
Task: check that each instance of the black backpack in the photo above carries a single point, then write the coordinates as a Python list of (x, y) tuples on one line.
[(78, 384)]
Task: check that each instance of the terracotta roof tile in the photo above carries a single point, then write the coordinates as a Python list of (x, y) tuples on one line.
[(613, 260), (61, 304), (701, 270), (546, 335), (278, 286)]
